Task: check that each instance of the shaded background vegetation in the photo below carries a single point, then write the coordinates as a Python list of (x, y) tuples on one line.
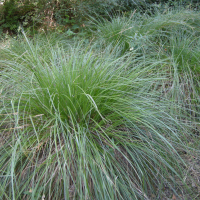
[(61, 15)]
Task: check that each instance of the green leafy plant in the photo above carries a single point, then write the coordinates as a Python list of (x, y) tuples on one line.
[(82, 123), (105, 114), (136, 30)]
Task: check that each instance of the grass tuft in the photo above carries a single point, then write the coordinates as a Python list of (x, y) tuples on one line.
[(100, 121)]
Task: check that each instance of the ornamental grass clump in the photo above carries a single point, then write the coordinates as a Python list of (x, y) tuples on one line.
[(181, 53), (142, 32), (81, 124)]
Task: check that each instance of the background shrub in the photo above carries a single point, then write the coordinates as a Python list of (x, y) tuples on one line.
[(33, 14)]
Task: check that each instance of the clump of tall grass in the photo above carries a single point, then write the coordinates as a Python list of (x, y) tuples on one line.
[(183, 50), (143, 31), (182, 53), (81, 124)]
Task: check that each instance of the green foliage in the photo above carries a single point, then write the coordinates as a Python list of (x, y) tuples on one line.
[(36, 13), (10, 19), (33, 14), (15, 12), (84, 123), (172, 35), (102, 117), (143, 32)]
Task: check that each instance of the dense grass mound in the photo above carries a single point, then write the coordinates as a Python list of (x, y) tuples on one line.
[(106, 120), (84, 125), (144, 31)]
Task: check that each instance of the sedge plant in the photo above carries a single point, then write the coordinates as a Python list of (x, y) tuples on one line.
[(81, 124), (142, 32)]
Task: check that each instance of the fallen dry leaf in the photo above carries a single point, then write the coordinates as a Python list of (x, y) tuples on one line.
[(174, 197)]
